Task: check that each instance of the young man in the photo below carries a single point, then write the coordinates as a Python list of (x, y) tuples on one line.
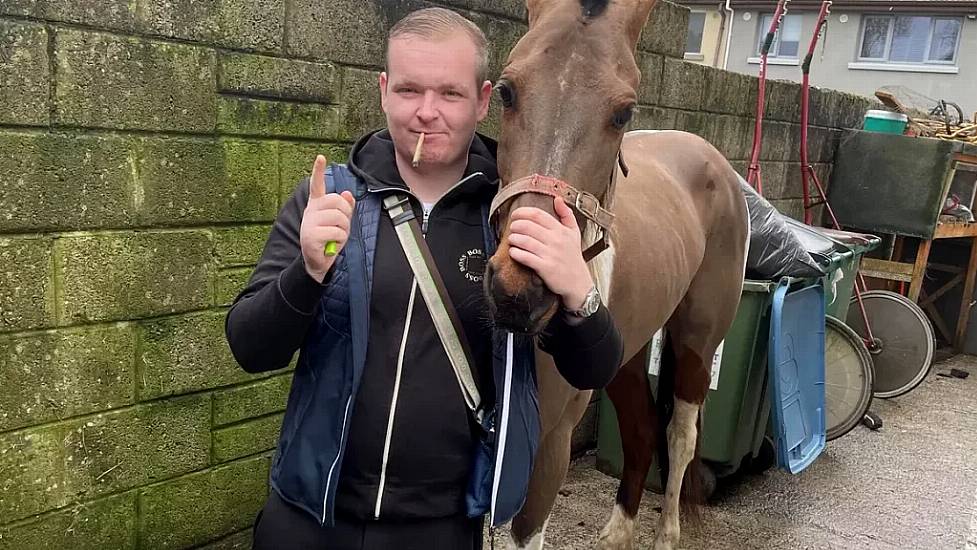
[(377, 445)]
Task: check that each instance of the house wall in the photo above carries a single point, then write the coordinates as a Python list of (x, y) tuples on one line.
[(838, 48), (711, 42)]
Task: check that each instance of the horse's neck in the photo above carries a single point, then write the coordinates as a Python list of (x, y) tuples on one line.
[(602, 266)]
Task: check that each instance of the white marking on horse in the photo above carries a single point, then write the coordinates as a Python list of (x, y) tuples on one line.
[(535, 542), (618, 534), (602, 266), (681, 449), (565, 132)]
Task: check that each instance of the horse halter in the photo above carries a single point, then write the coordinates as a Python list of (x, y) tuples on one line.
[(581, 201)]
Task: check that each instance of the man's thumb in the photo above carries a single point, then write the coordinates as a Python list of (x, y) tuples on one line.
[(349, 198), (564, 213)]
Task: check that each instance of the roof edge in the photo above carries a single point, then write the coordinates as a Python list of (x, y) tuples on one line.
[(936, 6)]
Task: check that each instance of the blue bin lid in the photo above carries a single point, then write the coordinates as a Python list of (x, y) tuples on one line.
[(796, 366)]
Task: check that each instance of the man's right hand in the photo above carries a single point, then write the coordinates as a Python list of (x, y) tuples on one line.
[(326, 218)]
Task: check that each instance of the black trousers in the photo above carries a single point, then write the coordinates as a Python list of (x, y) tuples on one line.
[(281, 526)]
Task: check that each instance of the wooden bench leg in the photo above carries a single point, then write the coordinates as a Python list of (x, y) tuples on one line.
[(919, 270), (968, 296), (896, 257)]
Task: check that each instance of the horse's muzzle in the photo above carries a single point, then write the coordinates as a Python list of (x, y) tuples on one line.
[(520, 302)]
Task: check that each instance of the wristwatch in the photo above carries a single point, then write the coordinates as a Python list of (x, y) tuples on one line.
[(590, 305)]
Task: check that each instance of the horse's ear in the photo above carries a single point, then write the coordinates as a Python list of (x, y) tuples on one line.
[(638, 18)]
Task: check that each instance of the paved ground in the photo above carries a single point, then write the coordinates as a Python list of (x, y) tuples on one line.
[(911, 485)]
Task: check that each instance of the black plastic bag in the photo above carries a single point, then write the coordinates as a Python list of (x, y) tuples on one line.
[(775, 250)]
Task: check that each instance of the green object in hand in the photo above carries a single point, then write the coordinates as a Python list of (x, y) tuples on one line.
[(330, 248)]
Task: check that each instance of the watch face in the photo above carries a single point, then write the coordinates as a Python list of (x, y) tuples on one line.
[(592, 303)]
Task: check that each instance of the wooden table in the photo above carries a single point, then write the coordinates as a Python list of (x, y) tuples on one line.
[(915, 271)]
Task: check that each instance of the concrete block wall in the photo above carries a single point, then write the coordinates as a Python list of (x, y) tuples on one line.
[(145, 148)]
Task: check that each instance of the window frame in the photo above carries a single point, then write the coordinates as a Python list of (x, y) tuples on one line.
[(890, 35), (702, 33), (774, 52)]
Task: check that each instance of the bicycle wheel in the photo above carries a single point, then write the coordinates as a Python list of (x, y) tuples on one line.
[(904, 340), (848, 378)]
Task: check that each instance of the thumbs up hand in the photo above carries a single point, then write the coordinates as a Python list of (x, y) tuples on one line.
[(326, 220)]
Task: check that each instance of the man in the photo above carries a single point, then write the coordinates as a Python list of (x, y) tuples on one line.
[(377, 445)]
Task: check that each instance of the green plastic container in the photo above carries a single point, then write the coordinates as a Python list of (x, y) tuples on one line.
[(846, 257), (735, 416), (839, 283), (844, 251), (886, 122)]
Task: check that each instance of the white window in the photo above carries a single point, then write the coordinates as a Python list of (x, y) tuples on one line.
[(787, 40), (909, 39), (697, 23)]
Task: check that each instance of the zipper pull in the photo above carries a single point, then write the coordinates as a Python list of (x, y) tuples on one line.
[(427, 215)]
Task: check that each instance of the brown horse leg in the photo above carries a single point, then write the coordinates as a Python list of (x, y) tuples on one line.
[(638, 424), (560, 412), (696, 328), (552, 462), (691, 385)]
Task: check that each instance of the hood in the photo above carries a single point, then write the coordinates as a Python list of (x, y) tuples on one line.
[(372, 159)]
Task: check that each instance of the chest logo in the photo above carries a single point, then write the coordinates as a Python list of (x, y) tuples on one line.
[(471, 265)]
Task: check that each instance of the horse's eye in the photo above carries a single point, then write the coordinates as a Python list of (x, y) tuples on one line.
[(622, 117), (506, 93)]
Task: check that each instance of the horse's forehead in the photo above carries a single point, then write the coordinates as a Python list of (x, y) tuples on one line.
[(556, 39), (565, 52), (572, 68)]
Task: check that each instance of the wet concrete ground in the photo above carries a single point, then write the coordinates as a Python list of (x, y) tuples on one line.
[(910, 485)]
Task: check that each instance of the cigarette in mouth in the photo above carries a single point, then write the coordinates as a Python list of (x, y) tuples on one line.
[(417, 151)]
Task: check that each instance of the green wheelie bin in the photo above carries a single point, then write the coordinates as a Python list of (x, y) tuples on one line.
[(845, 251)]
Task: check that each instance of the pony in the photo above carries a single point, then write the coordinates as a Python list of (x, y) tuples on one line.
[(665, 226)]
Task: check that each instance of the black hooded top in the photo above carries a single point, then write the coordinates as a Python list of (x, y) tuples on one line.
[(409, 451)]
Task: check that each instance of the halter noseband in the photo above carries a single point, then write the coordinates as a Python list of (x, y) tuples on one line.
[(585, 203)]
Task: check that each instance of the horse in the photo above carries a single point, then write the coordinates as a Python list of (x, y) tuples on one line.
[(666, 223)]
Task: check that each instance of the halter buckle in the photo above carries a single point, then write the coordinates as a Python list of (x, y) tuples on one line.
[(587, 204)]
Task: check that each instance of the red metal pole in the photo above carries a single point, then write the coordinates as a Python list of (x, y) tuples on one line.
[(806, 168), (753, 175), (807, 171)]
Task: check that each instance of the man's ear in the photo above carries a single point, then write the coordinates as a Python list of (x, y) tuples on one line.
[(383, 91), (484, 98)]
